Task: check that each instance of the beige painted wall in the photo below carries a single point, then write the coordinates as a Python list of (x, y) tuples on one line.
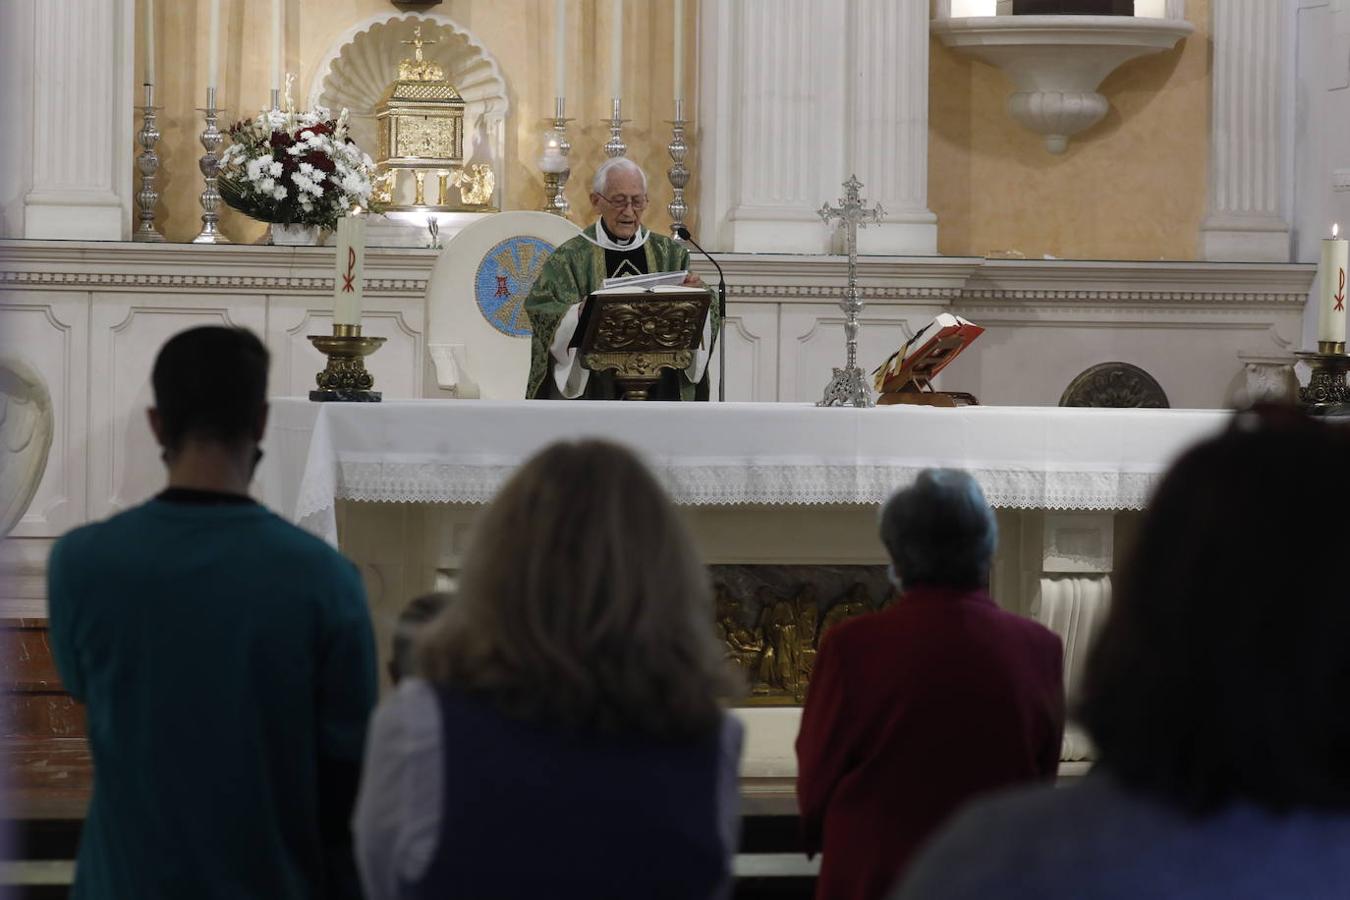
[(1132, 187), (519, 33)]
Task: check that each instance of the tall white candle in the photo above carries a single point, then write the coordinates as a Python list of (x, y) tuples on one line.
[(213, 47), (679, 50), (616, 49), (560, 48), (1331, 308), (278, 39), (149, 41), (349, 270)]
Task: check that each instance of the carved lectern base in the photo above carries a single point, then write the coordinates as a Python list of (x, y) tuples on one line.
[(638, 334)]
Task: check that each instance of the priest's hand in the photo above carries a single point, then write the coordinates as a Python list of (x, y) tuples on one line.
[(692, 280)]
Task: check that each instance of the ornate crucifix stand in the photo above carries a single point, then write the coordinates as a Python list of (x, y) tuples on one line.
[(846, 388)]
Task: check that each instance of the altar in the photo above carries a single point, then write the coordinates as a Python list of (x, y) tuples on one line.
[(781, 498)]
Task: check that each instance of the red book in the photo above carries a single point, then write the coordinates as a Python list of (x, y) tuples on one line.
[(915, 364)]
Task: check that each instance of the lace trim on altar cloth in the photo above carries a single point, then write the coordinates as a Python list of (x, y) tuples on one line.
[(730, 485)]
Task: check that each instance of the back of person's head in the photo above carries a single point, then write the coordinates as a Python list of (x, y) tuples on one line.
[(418, 612), (210, 384), (583, 602), (940, 532), (1223, 670)]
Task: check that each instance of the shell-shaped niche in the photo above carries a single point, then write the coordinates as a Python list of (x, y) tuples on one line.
[(362, 64)]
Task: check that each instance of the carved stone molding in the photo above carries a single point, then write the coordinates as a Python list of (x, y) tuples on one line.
[(26, 429), (1140, 297), (1269, 378), (1115, 385), (291, 284)]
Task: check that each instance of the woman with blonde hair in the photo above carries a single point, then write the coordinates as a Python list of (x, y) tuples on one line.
[(567, 737)]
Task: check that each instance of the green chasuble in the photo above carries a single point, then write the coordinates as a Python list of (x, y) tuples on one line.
[(570, 275)]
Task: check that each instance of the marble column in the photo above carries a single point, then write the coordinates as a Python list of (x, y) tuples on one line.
[(1251, 132), (795, 96), (889, 126), (81, 121)]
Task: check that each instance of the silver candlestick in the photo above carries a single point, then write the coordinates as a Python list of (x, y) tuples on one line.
[(846, 388), (147, 163), (677, 173), (209, 164), (560, 120), (615, 145)]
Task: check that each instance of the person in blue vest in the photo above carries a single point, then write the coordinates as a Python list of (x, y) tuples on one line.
[(567, 736), (225, 659)]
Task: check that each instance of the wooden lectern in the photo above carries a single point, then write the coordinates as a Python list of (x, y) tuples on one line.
[(636, 334)]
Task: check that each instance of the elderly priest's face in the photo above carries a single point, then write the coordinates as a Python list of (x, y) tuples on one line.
[(622, 204)]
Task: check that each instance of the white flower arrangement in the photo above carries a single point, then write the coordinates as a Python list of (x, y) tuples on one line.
[(295, 168)]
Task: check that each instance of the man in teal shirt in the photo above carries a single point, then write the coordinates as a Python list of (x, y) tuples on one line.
[(225, 657)]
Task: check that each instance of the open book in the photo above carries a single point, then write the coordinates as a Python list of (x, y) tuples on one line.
[(649, 281), (916, 363)]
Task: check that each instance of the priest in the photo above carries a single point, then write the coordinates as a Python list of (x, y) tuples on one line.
[(615, 245)]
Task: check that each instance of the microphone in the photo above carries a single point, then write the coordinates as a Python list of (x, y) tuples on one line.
[(682, 233)]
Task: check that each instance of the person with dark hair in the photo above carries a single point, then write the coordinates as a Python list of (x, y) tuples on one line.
[(225, 659), (1215, 695), (914, 710), (419, 611), (566, 737)]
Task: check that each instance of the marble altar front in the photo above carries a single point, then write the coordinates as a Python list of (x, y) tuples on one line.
[(765, 486)]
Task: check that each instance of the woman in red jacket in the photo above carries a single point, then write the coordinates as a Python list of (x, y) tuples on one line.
[(916, 709)]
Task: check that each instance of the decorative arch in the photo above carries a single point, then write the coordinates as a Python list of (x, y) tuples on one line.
[(363, 62)]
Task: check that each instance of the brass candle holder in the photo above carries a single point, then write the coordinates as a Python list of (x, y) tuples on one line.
[(345, 378), (1327, 391)]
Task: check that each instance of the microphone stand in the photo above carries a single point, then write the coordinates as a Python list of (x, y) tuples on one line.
[(683, 234)]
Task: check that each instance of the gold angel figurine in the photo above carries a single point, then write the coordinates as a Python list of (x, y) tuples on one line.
[(476, 184)]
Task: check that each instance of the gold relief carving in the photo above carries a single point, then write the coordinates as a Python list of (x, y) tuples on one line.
[(673, 324), (771, 619), (423, 137), (641, 364), (383, 186)]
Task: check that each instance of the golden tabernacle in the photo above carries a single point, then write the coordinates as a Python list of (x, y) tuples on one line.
[(421, 132)]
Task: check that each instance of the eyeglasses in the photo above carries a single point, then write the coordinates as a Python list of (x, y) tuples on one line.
[(638, 203)]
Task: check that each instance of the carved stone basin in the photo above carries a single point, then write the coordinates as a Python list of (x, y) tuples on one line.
[(1058, 62)]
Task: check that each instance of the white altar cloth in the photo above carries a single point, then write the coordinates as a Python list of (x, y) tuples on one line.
[(712, 454)]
